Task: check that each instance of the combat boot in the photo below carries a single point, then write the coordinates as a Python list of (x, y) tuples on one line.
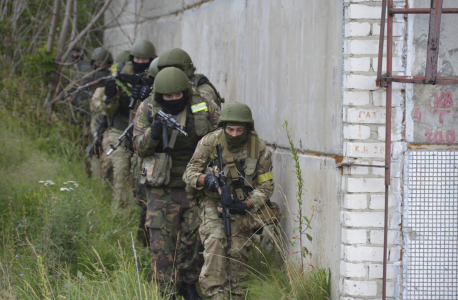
[(189, 292)]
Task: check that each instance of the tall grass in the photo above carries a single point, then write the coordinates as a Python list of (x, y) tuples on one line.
[(59, 238)]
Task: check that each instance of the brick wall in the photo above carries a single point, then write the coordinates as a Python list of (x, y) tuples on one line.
[(362, 216)]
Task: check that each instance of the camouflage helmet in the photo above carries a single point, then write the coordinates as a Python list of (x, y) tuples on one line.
[(236, 112), (143, 49), (101, 54), (170, 81), (153, 70), (122, 57), (177, 58)]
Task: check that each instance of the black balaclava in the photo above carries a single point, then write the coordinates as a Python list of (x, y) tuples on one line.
[(175, 106), (140, 68)]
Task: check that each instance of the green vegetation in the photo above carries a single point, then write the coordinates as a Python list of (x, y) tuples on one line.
[(59, 238)]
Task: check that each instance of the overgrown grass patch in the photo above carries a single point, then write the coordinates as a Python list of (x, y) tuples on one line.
[(59, 238)]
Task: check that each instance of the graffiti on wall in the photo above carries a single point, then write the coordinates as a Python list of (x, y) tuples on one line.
[(436, 121)]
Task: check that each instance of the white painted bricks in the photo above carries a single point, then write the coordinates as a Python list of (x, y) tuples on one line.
[(368, 185), (368, 253), (377, 237), (360, 82), (357, 29), (376, 271), (360, 288), (354, 236), (356, 98), (364, 118), (363, 219), (357, 11), (365, 150), (356, 132), (358, 64), (355, 201), (353, 270)]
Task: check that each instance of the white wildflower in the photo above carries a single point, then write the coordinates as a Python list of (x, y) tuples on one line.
[(49, 183), (64, 189)]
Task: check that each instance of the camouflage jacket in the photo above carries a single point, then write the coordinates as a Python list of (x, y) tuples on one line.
[(145, 145), (256, 174)]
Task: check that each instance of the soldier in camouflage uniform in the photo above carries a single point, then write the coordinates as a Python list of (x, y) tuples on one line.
[(180, 59), (247, 164), (115, 106), (141, 93), (171, 212), (100, 58)]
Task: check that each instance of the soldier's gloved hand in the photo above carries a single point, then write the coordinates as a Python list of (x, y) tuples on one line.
[(226, 196), (156, 129), (238, 208), (110, 89), (140, 92), (212, 183)]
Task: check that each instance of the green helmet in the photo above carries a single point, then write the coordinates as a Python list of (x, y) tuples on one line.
[(236, 112), (170, 81), (101, 54), (153, 70), (123, 57), (177, 58), (143, 49)]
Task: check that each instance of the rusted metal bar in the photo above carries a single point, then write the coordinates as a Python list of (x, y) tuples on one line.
[(418, 79), (432, 54), (389, 70), (380, 47), (359, 165), (394, 11)]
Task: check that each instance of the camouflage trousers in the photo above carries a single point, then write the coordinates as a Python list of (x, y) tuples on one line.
[(94, 167), (173, 224), (224, 269), (116, 171)]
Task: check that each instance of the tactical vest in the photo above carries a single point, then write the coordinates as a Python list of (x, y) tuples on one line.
[(241, 174), (194, 120), (199, 80), (199, 110)]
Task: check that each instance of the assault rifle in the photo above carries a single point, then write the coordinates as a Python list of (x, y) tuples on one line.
[(128, 133), (224, 189), (129, 79), (168, 122), (94, 148)]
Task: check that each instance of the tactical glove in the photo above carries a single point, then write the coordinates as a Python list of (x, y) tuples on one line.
[(226, 196), (156, 129), (110, 89), (238, 208), (140, 92), (212, 183)]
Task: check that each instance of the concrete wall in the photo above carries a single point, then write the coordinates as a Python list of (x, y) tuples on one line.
[(283, 58), (432, 111)]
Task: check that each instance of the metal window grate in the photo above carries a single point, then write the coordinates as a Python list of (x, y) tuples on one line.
[(430, 225)]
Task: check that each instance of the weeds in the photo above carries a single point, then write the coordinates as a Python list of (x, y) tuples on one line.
[(59, 238), (302, 221)]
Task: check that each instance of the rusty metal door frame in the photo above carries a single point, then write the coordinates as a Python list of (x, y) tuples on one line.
[(386, 80)]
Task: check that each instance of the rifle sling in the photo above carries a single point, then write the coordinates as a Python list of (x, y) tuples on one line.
[(182, 120)]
